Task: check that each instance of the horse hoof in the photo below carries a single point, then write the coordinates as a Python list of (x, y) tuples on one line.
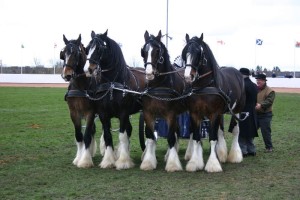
[(148, 166), (124, 165), (193, 166), (173, 168), (85, 165), (106, 165)]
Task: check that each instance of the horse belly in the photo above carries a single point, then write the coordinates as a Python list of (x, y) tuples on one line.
[(206, 104), (82, 105)]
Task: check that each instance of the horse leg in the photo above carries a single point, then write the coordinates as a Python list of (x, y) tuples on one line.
[(213, 164), (221, 147), (86, 157), (93, 143), (102, 142), (235, 154), (189, 150), (124, 160), (76, 119), (173, 163), (196, 160), (109, 159), (149, 161)]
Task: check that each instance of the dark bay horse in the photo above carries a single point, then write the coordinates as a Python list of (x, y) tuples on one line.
[(215, 91), (118, 95), (80, 107), (163, 99)]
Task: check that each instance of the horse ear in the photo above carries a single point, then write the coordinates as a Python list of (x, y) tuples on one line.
[(201, 37), (187, 38), (93, 34), (146, 36), (79, 40), (105, 34), (65, 39), (159, 35)]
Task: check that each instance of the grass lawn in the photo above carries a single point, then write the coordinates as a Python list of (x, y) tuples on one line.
[(37, 147)]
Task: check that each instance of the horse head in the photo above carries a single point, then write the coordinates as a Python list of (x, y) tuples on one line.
[(153, 53), (74, 58), (194, 57), (95, 52)]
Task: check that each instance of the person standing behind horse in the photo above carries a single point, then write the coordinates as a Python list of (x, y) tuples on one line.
[(248, 127), (265, 100)]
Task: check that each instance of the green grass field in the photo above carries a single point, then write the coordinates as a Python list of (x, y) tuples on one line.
[(37, 147)]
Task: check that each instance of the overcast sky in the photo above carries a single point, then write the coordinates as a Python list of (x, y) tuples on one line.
[(39, 24)]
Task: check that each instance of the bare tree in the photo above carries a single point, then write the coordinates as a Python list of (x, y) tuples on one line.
[(37, 62), (135, 63)]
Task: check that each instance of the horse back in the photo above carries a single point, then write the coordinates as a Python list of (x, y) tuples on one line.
[(231, 82), (139, 78)]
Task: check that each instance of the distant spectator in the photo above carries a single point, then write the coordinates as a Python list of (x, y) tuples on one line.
[(265, 100)]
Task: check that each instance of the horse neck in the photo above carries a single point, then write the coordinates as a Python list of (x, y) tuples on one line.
[(206, 79), (79, 83), (114, 73), (81, 63), (172, 80)]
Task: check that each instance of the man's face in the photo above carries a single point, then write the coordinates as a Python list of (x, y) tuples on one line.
[(260, 83)]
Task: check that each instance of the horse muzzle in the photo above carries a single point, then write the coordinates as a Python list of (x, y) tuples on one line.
[(150, 76)]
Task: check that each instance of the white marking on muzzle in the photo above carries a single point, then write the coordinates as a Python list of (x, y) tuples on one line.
[(64, 68), (87, 64), (149, 67), (188, 69)]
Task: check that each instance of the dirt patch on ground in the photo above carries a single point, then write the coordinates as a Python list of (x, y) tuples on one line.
[(65, 85), (53, 85), (287, 90)]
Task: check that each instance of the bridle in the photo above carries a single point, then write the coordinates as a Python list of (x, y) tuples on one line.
[(202, 61), (160, 59), (100, 46), (76, 51)]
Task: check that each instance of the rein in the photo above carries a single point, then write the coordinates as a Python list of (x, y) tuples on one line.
[(203, 75), (170, 72)]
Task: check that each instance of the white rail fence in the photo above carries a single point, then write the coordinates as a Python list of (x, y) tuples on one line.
[(54, 78)]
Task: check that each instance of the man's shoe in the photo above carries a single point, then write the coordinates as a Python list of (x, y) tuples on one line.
[(269, 150), (252, 154)]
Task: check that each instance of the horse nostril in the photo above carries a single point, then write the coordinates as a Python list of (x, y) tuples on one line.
[(68, 77)]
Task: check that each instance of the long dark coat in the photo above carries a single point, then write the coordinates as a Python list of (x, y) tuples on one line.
[(248, 127)]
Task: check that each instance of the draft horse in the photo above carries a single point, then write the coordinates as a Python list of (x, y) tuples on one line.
[(215, 91), (118, 95), (80, 107), (163, 99)]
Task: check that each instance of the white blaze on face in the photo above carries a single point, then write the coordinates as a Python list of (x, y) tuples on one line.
[(87, 64), (149, 69), (188, 68), (66, 61)]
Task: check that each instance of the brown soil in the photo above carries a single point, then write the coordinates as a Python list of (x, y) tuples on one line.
[(65, 85), (53, 85)]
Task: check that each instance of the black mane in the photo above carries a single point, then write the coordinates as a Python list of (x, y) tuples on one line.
[(113, 52)]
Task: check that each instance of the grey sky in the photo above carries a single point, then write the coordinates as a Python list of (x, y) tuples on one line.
[(38, 25)]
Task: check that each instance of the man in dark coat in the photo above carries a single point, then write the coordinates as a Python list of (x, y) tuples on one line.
[(248, 127)]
